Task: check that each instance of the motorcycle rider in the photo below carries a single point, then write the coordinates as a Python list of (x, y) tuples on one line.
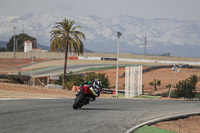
[(95, 87)]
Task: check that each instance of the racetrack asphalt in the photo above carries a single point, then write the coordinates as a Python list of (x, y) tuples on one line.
[(101, 116)]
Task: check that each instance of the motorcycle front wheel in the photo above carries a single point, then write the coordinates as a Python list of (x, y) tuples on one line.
[(78, 101)]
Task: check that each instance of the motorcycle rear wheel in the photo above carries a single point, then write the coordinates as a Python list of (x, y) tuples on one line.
[(78, 101)]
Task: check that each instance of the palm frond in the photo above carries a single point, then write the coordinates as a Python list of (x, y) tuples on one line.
[(65, 36)]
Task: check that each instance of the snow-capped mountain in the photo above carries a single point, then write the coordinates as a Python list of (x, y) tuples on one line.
[(180, 38)]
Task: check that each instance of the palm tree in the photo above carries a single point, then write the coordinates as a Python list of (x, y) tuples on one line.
[(66, 38), (168, 86), (154, 83), (194, 79)]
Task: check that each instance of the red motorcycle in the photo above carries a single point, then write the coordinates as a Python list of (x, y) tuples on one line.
[(85, 94)]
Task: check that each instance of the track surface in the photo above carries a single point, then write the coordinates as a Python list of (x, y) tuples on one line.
[(59, 69), (101, 116)]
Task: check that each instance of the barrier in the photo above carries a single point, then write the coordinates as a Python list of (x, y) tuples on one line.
[(159, 61), (88, 58), (107, 91), (111, 91), (106, 56), (110, 59), (23, 79), (75, 88), (72, 58)]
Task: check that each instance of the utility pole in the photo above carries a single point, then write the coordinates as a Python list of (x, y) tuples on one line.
[(23, 29), (145, 44), (32, 61), (14, 42), (175, 69), (34, 46), (117, 75)]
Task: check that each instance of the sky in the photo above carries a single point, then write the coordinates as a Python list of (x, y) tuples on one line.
[(175, 9)]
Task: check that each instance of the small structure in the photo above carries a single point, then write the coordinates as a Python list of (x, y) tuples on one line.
[(27, 46), (37, 49), (133, 81)]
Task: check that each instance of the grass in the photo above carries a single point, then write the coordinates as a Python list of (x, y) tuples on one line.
[(105, 68), (146, 96), (121, 96), (97, 68), (34, 70), (141, 96), (150, 129), (89, 69)]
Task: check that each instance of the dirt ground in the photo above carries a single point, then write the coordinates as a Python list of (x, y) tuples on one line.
[(163, 74), (13, 65), (11, 90), (186, 125)]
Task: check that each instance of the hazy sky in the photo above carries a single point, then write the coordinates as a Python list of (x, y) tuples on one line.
[(177, 9)]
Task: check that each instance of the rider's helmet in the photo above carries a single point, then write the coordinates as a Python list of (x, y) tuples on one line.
[(85, 83), (98, 81)]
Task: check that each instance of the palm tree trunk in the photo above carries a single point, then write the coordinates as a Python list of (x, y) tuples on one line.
[(155, 89), (65, 68)]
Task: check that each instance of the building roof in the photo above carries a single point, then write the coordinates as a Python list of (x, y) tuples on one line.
[(37, 48), (28, 41)]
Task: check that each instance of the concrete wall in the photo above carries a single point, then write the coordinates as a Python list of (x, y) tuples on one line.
[(52, 55), (43, 55), (148, 57)]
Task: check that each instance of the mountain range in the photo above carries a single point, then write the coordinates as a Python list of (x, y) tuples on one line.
[(179, 38), (3, 44)]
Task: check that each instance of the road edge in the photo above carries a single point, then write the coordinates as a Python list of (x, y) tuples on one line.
[(39, 98), (166, 118)]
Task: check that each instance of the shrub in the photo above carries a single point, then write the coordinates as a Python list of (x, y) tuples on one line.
[(187, 88), (104, 79), (77, 79), (71, 80), (197, 95), (162, 94)]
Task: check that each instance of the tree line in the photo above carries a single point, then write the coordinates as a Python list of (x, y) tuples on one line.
[(19, 43)]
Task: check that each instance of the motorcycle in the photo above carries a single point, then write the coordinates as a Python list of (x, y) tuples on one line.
[(83, 96)]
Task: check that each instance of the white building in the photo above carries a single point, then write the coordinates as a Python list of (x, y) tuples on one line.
[(27, 46)]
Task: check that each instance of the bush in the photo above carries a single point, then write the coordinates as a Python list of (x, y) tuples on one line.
[(77, 79), (163, 94), (187, 88), (184, 89), (104, 79), (71, 80), (197, 95)]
